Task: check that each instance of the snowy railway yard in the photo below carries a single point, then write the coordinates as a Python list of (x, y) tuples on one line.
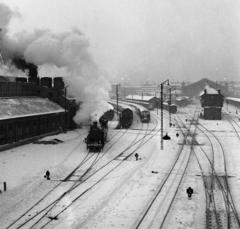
[(112, 189)]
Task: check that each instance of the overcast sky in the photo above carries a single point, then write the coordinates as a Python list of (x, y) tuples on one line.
[(146, 39)]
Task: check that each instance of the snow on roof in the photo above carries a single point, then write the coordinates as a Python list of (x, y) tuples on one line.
[(210, 90), (22, 107), (140, 97), (233, 99)]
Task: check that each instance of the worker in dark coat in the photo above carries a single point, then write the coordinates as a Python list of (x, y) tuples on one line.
[(136, 155), (47, 175), (189, 192)]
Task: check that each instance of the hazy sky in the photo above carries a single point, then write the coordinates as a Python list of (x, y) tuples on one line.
[(146, 39)]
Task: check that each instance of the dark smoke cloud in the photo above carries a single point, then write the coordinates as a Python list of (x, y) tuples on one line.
[(65, 54)]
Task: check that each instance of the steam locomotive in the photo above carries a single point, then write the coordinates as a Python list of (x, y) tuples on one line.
[(125, 113), (97, 136)]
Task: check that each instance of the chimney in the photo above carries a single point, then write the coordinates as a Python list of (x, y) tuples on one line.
[(205, 91), (219, 91)]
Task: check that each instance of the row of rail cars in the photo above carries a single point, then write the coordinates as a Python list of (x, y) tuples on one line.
[(141, 111), (170, 108)]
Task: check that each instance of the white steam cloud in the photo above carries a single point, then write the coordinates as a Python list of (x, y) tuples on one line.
[(65, 54)]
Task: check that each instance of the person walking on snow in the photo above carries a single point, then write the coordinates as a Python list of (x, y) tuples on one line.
[(189, 192), (47, 175), (136, 155)]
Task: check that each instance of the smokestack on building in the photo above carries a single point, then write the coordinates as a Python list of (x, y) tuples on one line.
[(67, 53)]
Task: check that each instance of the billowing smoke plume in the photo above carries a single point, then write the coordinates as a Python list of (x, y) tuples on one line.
[(66, 54)]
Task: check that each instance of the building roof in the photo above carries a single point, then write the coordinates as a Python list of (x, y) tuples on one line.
[(27, 106), (140, 97), (209, 90), (233, 99)]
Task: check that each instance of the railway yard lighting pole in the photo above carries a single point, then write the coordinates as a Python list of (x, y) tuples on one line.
[(65, 114), (170, 102), (161, 85)]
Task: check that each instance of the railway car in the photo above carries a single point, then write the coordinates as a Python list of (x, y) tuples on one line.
[(95, 139), (141, 111), (145, 116), (104, 126), (182, 101), (125, 113), (173, 108)]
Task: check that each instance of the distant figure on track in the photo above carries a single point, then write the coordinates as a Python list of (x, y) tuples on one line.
[(189, 192), (47, 176), (136, 155)]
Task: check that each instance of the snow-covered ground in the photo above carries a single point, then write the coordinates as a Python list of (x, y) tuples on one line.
[(121, 197)]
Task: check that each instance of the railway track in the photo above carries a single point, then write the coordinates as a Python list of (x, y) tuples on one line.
[(220, 208), (46, 212), (156, 213)]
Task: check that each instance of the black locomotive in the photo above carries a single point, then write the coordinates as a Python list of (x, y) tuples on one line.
[(125, 113), (126, 118), (97, 136)]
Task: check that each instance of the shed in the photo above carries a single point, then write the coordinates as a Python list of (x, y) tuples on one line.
[(26, 117)]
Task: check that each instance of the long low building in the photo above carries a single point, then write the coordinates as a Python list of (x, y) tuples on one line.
[(144, 99), (28, 117), (233, 101)]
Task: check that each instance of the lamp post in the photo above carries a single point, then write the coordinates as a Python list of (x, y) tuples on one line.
[(65, 114), (170, 102), (162, 111), (117, 98)]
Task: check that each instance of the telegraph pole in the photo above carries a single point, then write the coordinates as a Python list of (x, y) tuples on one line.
[(170, 102), (117, 98), (162, 111), (65, 114)]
